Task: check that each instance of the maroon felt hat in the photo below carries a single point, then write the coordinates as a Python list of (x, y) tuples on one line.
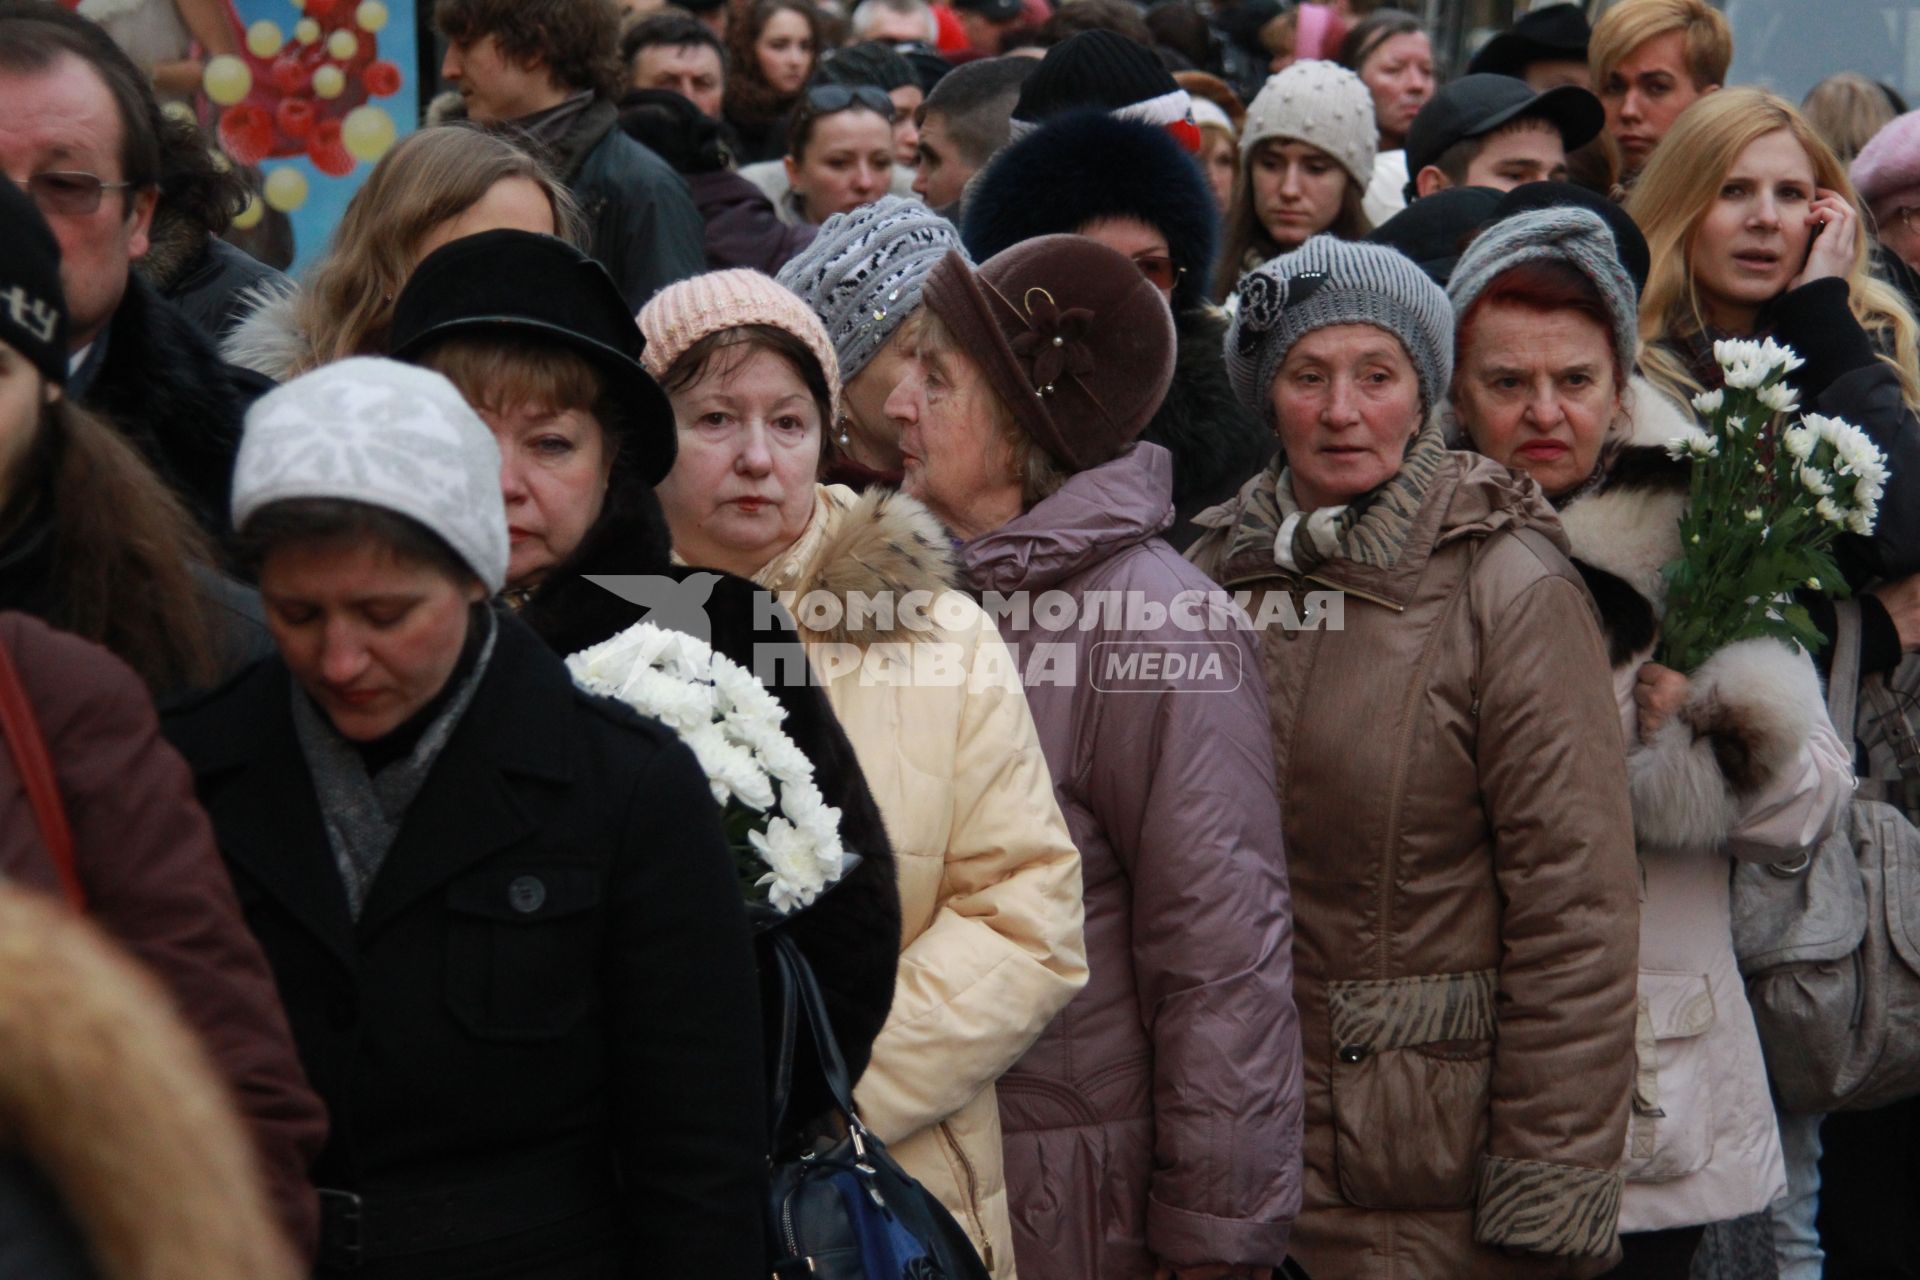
[(1069, 333)]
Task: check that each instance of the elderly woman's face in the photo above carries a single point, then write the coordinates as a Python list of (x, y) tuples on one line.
[(1346, 401), (741, 488), (872, 438), (955, 460), (1536, 391), (372, 638), (554, 467)]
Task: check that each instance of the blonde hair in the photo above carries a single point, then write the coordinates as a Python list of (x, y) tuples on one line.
[(1674, 194), (1846, 110), (1628, 25), (429, 178)]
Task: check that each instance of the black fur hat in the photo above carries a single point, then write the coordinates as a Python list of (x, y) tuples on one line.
[(1089, 165)]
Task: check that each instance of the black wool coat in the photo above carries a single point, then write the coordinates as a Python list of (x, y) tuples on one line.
[(551, 982), (851, 935)]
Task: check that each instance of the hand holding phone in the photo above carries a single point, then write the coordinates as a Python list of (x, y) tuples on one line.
[(1830, 244)]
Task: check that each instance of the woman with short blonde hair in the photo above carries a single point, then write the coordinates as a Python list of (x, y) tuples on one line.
[(434, 186)]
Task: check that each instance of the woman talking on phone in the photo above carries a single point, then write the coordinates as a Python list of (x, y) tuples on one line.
[(1755, 232)]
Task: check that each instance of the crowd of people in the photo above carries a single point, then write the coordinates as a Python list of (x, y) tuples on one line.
[(1195, 481)]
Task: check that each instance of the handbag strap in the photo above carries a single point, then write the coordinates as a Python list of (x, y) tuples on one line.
[(802, 998), (1843, 676), (21, 729)]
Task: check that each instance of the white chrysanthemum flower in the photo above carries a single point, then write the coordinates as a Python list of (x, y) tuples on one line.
[(1800, 441), (1736, 424), (731, 769), (775, 750), (796, 874), (1813, 584), (1779, 397), (1815, 481), (1860, 521), (1776, 356), (1827, 511), (1709, 402), (1754, 514)]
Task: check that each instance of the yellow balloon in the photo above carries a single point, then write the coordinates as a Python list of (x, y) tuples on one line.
[(306, 31), (227, 79), (342, 45), (367, 133), (329, 81), (249, 218), (286, 189), (371, 15), (264, 39)]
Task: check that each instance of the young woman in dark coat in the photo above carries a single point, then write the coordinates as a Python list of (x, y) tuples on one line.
[(1133, 188), (502, 913), (535, 337)]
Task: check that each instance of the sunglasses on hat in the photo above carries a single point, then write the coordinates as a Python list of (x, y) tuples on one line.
[(830, 99)]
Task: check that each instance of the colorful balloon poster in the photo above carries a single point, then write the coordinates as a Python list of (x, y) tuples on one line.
[(318, 91)]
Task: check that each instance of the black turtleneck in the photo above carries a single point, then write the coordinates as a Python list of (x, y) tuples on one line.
[(398, 742)]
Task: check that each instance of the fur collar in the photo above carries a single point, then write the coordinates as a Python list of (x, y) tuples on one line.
[(880, 544), (269, 340)]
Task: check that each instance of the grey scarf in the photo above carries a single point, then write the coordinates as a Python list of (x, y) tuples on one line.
[(363, 814)]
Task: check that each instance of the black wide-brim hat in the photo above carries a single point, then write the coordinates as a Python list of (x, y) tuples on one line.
[(1556, 32), (501, 283)]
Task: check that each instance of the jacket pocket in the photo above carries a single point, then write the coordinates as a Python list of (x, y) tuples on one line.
[(1412, 1074), (520, 950), (1671, 1132)]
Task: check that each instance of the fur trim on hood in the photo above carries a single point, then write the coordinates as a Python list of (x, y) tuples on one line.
[(881, 544), (269, 340), (1086, 166), (105, 1091)]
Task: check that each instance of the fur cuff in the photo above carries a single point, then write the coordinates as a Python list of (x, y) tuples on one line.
[(1543, 1207), (1747, 716)]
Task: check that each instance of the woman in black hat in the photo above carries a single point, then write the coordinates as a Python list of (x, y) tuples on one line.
[(537, 338)]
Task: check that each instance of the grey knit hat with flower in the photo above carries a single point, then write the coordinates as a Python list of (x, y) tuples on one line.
[(1319, 103), (386, 434), (863, 273), (1578, 237), (1325, 282)]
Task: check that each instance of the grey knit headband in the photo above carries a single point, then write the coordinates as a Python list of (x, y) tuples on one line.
[(1569, 234)]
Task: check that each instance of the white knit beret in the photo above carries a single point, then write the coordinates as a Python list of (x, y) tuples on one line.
[(1319, 103), (389, 435)]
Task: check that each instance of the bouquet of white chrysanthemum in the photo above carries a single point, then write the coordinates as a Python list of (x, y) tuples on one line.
[(1768, 499), (785, 837)]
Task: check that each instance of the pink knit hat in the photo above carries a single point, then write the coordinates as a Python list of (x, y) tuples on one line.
[(1318, 32), (681, 314), (1887, 170)]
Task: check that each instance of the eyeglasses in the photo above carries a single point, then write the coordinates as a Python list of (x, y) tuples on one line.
[(828, 99), (1160, 271), (58, 191)]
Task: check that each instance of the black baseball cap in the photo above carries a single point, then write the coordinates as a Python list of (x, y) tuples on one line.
[(992, 10), (1473, 106), (518, 282), (1434, 231), (1558, 31)]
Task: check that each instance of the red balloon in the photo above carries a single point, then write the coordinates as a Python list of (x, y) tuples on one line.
[(381, 78), (246, 134)]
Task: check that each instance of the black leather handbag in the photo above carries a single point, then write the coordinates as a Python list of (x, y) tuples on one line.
[(847, 1212)]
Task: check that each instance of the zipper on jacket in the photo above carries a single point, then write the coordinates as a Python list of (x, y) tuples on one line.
[(1429, 652), (973, 1191), (1383, 602)]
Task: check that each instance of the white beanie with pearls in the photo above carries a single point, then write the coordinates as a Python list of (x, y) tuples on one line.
[(1321, 104)]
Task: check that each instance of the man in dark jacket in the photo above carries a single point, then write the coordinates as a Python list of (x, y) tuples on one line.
[(550, 69), (79, 131)]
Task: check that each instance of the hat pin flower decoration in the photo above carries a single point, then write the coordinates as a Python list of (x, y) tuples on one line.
[(785, 838), (1768, 497), (1055, 343), (1264, 298)]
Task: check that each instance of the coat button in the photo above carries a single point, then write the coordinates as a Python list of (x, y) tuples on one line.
[(526, 894), (1353, 1053)]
